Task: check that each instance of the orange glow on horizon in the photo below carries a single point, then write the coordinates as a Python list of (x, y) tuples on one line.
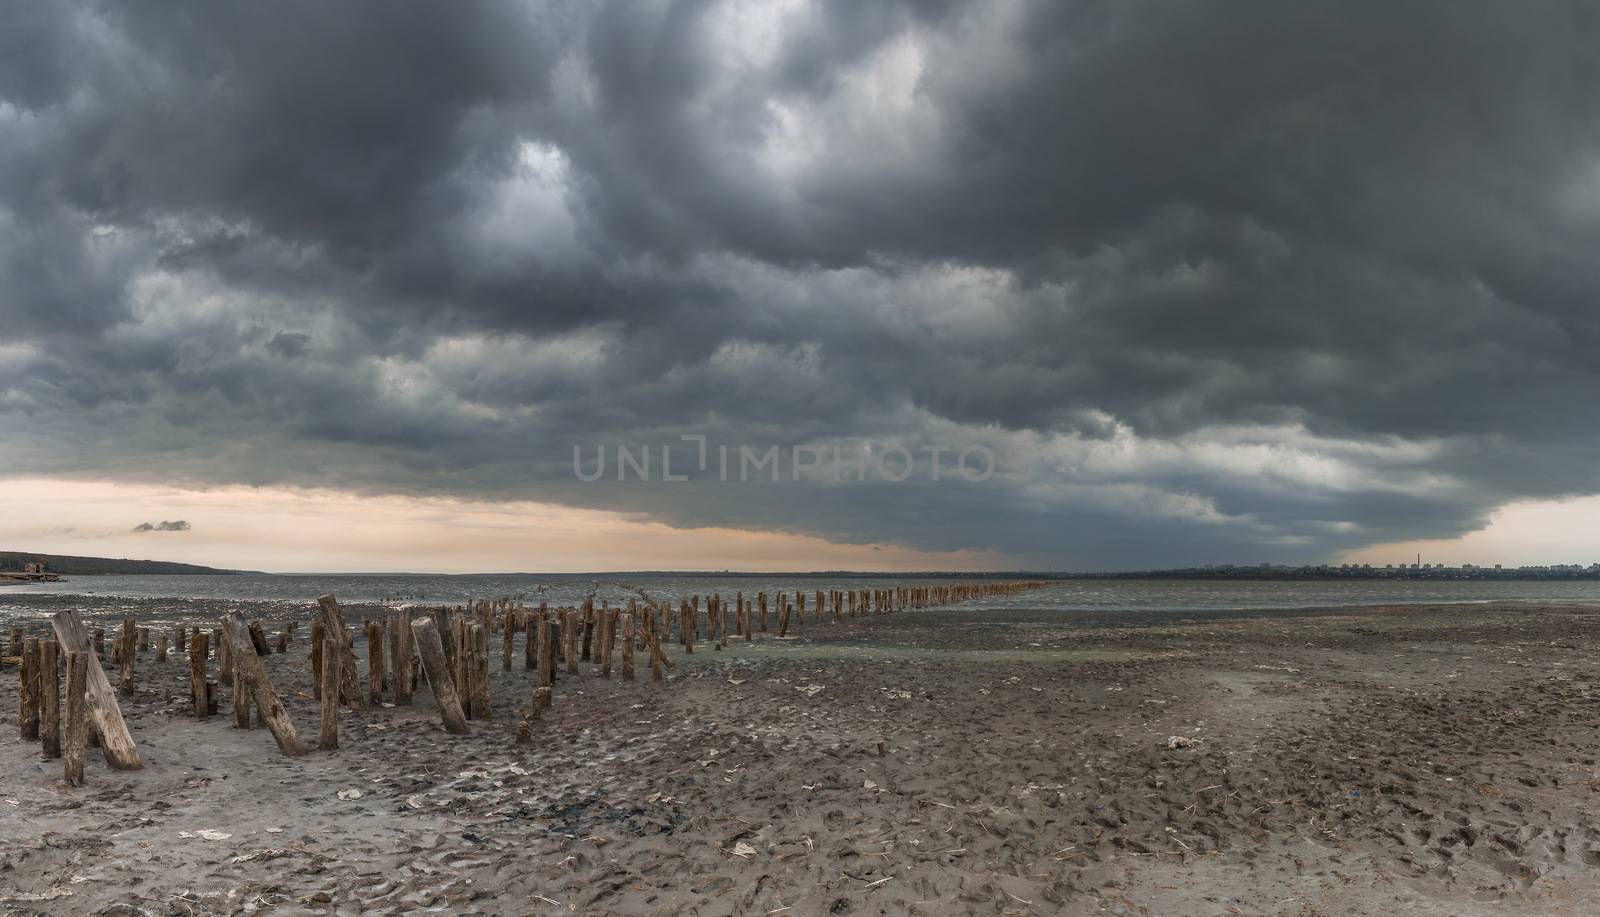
[(320, 531)]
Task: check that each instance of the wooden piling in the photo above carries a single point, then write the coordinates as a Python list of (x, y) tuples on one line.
[(161, 648), (375, 663), (569, 635), (403, 679), (241, 699), (258, 687), (627, 646), (508, 633), (339, 650), (73, 740), (48, 679), (127, 648), (588, 628), (547, 654), (325, 648), (118, 746), (480, 673), (28, 691), (316, 658), (199, 649), (436, 667)]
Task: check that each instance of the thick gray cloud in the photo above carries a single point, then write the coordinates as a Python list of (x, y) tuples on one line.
[(1219, 284)]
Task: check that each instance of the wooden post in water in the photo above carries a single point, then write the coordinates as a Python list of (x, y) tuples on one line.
[(74, 739), (28, 691), (49, 681), (199, 649), (437, 669), (161, 647), (259, 688), (117, 744)]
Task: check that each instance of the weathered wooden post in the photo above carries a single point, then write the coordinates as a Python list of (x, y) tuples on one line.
[(316, 658), (28, 690), (569, 639), (49, 680), (100, 642), (480, 673), (199, 649), (16, 643), (259, 688), (115, 741), (437, 669), (627, 646), (339, 650), (241, 699), (180, 639), (73, 749), (375, 663), (161, 647), (403, 679), (283, 638), (547, 654), (588, 628), (129, 636), (325, 646), (508, 633)]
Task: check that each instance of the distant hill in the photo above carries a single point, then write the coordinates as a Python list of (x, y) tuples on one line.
[(67, 565)]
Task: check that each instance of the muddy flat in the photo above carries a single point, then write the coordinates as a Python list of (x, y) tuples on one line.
[(1384, 761)]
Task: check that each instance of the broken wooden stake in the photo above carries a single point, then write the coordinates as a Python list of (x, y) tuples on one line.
[(259, 688), (437, 669), (115, 741)]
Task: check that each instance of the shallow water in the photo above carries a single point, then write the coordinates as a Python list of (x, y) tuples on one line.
[(1106, 600)]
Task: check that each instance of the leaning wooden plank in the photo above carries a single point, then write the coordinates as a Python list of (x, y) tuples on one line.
[(350, 692), (115, 741), (437, 668), (268, 707)]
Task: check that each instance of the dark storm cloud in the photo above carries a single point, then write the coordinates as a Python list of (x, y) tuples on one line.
[(1263, 280)]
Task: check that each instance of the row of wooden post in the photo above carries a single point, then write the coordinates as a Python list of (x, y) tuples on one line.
[(451, 647)]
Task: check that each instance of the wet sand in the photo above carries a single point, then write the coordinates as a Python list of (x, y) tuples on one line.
[(1409, 760)]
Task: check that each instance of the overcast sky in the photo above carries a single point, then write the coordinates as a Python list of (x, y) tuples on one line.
[(1212, 283)]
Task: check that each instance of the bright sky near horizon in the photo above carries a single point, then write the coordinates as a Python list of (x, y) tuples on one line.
[(300, 530)]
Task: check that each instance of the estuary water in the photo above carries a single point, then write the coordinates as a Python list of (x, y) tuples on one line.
[(1067, 595)]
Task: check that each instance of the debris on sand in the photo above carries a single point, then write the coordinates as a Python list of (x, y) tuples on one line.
[(1176, 742)]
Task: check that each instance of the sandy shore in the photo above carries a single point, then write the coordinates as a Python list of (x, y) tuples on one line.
[(1419, 760)]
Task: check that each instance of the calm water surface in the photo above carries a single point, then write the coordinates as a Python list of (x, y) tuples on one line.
[(1067, 595)]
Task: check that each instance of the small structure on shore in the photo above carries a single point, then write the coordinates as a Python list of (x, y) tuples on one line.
[(32, 572)]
